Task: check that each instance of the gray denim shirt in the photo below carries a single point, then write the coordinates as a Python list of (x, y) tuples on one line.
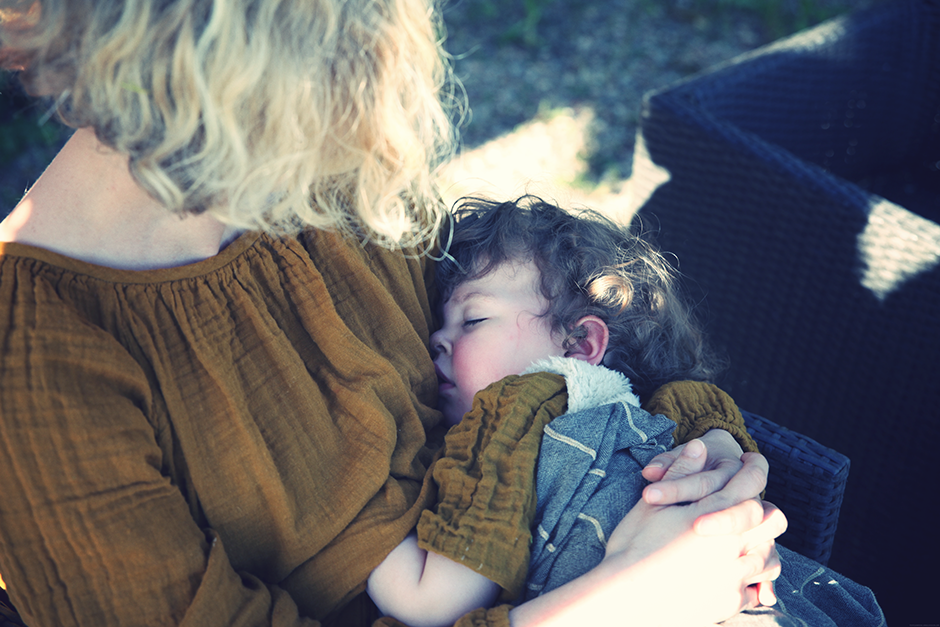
[(588, 470), (589, 478)]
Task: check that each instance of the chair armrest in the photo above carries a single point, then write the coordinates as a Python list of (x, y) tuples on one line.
[(807, 481)]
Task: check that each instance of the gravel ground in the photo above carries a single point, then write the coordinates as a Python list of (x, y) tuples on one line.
[(554, 104), (554, 109), (602, 56)]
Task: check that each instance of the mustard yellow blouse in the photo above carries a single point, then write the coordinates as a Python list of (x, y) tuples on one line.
[(238, 441), (214, 443)]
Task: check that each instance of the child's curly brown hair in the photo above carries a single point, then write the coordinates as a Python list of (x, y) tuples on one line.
[(589, 265)]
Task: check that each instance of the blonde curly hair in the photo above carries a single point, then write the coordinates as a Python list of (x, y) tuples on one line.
[(270, 114)]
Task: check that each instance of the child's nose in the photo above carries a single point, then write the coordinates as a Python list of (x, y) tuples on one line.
[(439, 345)]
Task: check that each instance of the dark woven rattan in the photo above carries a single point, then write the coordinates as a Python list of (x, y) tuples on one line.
[(802, 203), (807, 481)]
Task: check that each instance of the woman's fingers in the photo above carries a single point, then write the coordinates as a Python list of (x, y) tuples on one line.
[(691, 460), (772, 525), (732, 520), (695, 470), (659, 465), (760, 558), (747, 483), (691, 488), (687, 464), (766, 594), (765, 562), (687, 489)]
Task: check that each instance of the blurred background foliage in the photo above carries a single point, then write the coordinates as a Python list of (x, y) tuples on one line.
[(29, 137), (777, 18), (534, 29)]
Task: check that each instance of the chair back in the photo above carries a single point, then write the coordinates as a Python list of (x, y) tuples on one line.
[(799, 187)]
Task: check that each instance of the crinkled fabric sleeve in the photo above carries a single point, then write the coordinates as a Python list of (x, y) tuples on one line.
[(91, 531), (697, 407), (486, 479)]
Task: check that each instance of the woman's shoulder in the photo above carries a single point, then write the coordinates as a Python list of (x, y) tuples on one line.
[(44, 263), (88, 307), (78, 309)]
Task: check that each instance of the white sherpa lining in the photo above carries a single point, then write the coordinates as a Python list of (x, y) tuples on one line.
[(588, 385)]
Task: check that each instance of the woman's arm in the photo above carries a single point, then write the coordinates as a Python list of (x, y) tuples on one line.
[(92, 532), (424, 589), (669, 566), (737, 489)]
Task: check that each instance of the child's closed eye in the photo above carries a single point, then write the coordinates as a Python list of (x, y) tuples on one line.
[(473, 321)]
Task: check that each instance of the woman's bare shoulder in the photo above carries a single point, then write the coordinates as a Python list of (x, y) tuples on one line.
[(87, 206)]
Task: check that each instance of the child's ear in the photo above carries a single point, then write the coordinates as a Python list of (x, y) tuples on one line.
[(592, 344)]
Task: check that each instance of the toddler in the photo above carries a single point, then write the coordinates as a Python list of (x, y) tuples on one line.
[(588, 311)]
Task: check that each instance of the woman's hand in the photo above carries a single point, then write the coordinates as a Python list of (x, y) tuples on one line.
[(661, 571), (691, 459), (677, 565), (686, 474), (727, 515), (711, 576)]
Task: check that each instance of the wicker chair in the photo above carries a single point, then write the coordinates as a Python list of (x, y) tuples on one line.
[(807, 481), (799, 188)]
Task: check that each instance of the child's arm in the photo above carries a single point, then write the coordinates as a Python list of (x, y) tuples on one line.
[(424, 589), (489, 456)]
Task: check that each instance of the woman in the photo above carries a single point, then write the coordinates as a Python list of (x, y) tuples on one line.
[(217, 403)]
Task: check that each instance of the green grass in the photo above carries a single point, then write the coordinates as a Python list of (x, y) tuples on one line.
[(22, 123), (24, 130)]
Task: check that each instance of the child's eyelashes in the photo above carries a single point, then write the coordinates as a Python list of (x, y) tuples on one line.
[(472, 322)]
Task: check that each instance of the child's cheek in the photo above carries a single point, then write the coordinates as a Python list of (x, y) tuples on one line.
[(466, 367), (465, 376), (476, 365)]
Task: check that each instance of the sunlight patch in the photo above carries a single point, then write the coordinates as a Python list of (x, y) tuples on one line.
[(646, 178), (895, 246)]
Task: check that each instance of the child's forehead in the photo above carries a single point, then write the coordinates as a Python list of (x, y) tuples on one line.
[(509, 275)]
